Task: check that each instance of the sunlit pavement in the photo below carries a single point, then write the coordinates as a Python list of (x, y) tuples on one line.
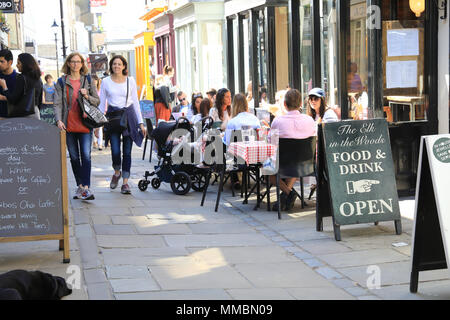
[(156, 245)]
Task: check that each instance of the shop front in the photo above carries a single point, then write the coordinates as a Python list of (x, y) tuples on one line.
[(199, 30), (165, 42), (373, 58)]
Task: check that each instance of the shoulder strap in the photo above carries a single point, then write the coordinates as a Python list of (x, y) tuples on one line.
[(128, 88)]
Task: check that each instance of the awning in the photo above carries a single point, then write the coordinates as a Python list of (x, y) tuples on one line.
[(153, 13)]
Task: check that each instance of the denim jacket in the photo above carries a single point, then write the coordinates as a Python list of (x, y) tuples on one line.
[(61, 105)]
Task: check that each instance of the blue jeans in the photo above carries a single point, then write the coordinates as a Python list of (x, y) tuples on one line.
[(79, 146), (120, 161)]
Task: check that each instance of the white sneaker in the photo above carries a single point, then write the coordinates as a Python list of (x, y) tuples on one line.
[(78, 193)]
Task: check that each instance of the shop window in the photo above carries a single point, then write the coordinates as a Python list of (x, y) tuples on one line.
[(329, 53), (405, 93), (357, 62), (306, 54), (212, 56), (282, 47)]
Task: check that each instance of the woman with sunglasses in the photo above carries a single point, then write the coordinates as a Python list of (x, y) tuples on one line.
[(318, 109)]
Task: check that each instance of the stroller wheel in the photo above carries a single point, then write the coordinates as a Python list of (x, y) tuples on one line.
[(143, 185), (180, 183), (198, 182), (156, 183)]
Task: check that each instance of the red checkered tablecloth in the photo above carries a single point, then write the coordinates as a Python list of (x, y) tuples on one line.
[(252, 152)]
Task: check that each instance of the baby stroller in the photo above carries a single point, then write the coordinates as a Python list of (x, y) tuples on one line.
[(182, 177)]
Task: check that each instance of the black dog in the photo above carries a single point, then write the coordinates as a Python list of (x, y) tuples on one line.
[(32, 285)]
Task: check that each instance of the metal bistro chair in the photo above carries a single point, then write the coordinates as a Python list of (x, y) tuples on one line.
[(296, 160), (224, 173), (150, 129)]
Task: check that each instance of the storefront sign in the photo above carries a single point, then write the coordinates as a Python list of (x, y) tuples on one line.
[(98, 6), (431, 235), (7, 6), (360, 172)]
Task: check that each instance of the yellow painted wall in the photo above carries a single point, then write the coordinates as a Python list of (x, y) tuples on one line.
[(143, 73)]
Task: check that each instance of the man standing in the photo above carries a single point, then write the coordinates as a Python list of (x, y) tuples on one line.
[(9, 75)]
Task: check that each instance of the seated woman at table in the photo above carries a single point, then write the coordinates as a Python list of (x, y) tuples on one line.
[(221, 112), (194, 108), (318, 108), (241, 118), (205, 106), (293, 125)]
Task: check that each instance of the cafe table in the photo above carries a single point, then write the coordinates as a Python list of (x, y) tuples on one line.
[(254, 153)]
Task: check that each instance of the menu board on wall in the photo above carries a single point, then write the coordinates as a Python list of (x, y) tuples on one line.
[(403, 57)]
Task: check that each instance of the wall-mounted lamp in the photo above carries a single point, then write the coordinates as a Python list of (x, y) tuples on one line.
[(417, 6)]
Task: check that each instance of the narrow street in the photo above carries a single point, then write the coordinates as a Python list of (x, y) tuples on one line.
[(156, 245)]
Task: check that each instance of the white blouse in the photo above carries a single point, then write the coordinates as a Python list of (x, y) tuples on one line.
[(115, 94)]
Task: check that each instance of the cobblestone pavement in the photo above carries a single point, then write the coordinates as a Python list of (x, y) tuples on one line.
[(156, 245)]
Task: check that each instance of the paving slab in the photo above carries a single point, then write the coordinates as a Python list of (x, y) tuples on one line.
[(104, 229), (432, 290), (319, 294), (365, 257), (260, 294), (127, 272), (227, 228), (133, 285), (163, 229), (201, 294), (235, 255), (283, 274), (133, 241), (217, 240), (198, 276), (393, 273)]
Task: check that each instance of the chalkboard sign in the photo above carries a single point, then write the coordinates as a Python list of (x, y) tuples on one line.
[(33, 182), (431, 233), (148, 110), (359, 177), (48, 115)]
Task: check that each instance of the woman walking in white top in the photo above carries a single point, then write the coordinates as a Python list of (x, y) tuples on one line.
[(118, 96)]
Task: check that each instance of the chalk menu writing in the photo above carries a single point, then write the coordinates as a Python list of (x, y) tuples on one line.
[(30, 178), (361, 174)]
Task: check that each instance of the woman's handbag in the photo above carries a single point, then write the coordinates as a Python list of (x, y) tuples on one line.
[(25, 106), (117, 119), (91, 116)]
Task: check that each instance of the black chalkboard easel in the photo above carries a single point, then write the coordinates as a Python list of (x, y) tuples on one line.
[(33, 183), (355, 175), (428, 252)]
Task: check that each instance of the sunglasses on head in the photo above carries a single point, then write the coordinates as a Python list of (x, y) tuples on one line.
[(314, 98), (197, 96)]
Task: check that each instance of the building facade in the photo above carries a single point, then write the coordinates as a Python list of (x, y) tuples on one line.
[(373, 58)]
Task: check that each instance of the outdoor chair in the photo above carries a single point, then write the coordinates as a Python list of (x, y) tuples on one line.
[(150, 128), (296, 160)]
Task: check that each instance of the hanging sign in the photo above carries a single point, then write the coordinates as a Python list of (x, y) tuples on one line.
[(358, 176), (431, 233)]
